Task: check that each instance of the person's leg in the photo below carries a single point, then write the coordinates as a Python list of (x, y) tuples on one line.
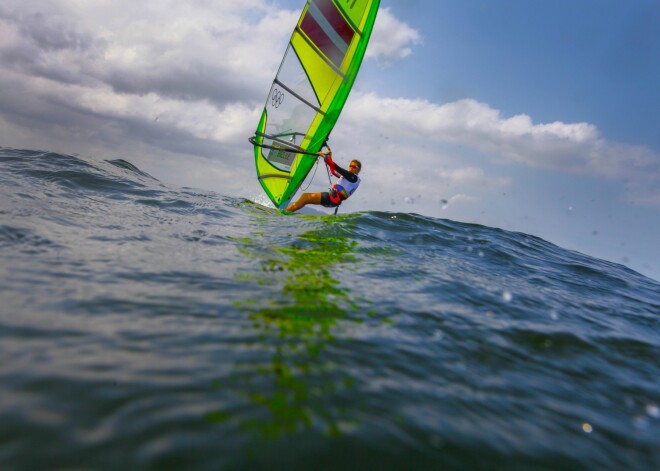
[(305, 199)]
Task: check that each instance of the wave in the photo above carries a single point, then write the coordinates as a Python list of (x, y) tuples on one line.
[(265, 338)]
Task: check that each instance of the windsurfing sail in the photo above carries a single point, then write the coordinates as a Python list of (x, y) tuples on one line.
[(309, 91)]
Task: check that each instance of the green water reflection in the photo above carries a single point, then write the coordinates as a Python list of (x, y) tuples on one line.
[(297, 387)]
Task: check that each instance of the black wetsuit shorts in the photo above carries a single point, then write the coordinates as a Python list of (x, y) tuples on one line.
[(327, 202)]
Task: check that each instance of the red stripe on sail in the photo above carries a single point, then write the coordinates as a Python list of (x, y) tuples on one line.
[(339, 24), (316, 34)]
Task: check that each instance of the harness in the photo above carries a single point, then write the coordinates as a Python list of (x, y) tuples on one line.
[(337, 196)]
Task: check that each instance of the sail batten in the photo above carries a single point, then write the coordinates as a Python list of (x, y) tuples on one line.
[(309, 91), (314, 107)]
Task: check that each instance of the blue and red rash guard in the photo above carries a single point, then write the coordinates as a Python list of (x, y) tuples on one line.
[(347, 184)]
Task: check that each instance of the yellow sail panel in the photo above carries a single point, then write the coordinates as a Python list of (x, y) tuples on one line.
[(321, 75), (355, 11)]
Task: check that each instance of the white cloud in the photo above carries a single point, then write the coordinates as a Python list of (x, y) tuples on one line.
[(152, 76), (192, 51), (461, 198), (197, 67), (574, 148), (391, 38), (471, 176)]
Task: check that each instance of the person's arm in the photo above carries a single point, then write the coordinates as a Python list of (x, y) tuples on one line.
[(350, 176), (337, 171)]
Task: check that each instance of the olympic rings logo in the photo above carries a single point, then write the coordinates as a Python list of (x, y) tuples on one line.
[(277, 98)]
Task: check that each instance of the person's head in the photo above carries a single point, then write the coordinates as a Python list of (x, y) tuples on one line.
[(355, 166)]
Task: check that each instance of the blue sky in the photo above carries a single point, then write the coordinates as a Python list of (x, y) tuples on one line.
[(539, 117), (590, 60)]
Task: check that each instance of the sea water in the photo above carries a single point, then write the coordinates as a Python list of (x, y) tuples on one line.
[(146, 326)]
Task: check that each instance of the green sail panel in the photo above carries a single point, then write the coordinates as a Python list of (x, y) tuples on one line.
[(309, 91)]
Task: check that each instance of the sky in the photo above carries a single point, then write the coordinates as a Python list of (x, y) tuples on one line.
[(538, 117)]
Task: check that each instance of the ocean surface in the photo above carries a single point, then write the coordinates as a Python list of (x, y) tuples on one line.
[(146, 326)]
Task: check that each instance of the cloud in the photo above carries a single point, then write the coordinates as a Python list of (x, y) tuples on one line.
[(391, 39), (190, 52), (471, 176), (182, 77), (158, 66), (572, 148)]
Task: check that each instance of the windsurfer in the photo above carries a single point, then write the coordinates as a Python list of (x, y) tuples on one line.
[(345, 186)]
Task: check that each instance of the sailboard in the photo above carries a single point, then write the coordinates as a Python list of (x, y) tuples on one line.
[(309, 91)]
